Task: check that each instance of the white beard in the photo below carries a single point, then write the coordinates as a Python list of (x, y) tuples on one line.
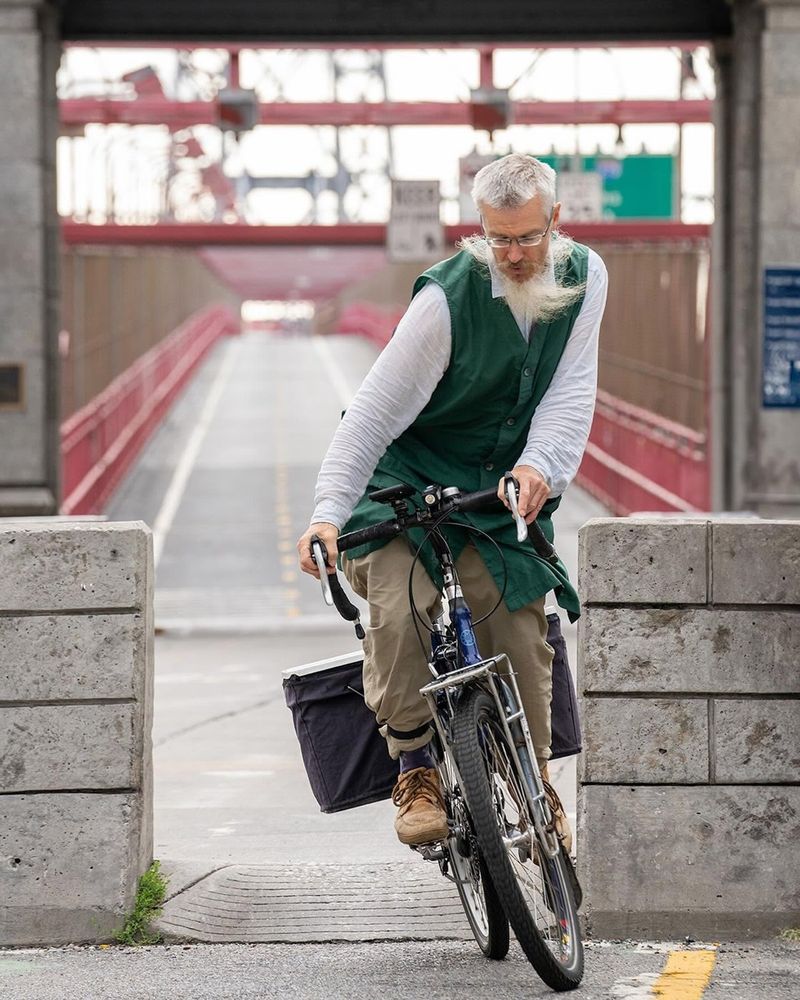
[(539, 299)]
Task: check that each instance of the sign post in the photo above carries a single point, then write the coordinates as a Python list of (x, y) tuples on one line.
[(581, 196), (415, 231), (468, 166)]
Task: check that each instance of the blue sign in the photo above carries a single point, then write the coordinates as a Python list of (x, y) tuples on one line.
[(781, 379)]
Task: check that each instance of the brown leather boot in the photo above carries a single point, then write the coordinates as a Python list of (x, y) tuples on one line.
[(421, 816), (560, 822)]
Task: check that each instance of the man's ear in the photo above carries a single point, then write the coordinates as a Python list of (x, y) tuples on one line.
[(556, 213)]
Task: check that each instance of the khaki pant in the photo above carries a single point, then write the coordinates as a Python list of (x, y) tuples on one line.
[(395, 666)]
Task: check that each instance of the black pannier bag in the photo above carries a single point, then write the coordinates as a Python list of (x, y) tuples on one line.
[(565, 724), (345, 756)]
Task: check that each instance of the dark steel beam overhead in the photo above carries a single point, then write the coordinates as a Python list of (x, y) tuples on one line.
[(357, 22)]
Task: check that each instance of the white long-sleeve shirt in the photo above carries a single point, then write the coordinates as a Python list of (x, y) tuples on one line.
[(403, 378)]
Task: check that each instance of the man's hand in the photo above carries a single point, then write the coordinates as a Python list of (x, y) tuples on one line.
[(328, 533), (533, 491)]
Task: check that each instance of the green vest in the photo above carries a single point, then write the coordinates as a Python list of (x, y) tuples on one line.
[(475, 426)]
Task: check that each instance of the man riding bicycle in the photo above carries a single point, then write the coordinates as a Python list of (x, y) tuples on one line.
[(492, 368)]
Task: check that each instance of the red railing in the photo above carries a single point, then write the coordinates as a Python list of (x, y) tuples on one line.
[(370, 321), (101, 440), (638, 461)]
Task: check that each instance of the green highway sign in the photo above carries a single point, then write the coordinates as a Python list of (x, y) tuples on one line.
[(642, 186)]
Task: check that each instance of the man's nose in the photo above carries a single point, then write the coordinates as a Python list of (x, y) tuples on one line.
[(515, 253)]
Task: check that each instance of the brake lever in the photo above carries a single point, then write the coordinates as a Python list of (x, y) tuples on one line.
[(320, 556), (510, 487), (332, 591)]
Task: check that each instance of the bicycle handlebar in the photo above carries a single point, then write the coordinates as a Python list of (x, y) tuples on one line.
[(465, 502), (481, 499)]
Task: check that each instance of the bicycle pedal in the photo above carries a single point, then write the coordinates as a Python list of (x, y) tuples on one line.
[(430, 852)]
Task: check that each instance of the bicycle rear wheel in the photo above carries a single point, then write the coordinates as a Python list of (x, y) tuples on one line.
[(535, 890)]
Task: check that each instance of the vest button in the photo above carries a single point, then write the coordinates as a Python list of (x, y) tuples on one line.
[(526, 372), (489, 466), (511, 421)]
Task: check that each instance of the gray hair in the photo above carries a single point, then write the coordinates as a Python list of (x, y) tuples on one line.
[(512, 181)]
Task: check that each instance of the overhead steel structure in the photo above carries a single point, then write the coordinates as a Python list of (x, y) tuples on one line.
[(755, 45), (356, 21)]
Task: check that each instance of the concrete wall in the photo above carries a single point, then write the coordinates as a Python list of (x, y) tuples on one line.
[(689, 808), (29, 237), (756, 449), (76, 668)]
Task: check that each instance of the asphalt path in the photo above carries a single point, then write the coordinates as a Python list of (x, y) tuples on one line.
[(437, 970)]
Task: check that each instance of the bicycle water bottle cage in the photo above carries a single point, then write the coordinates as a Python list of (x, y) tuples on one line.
[(395, 495)]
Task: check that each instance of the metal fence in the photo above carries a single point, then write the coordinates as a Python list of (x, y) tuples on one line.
[(117, 303)]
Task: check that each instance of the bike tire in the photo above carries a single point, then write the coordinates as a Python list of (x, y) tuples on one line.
[(482, 907), (538, 901)]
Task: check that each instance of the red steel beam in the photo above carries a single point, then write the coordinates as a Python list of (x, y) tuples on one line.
[(345, 234), (77, 112)]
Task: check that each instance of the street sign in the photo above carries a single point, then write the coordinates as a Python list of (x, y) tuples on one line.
[(581, 196), (781, 374), (641, 186), (468, 166), (415, 231)]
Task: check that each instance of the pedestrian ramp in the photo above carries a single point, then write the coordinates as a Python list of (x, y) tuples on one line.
[(393, 901)]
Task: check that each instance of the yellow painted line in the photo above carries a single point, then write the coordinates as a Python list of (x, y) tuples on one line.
[(686, 975)]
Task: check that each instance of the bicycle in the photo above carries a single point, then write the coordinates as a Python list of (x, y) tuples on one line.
[(502, 851)]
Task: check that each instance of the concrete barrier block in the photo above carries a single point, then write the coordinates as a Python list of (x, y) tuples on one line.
[(49, 657), (648, 740), (709, 862), (69, 864), (73, 567), (643, 561), (52, 747), (757, 740), (755, 562), (657, 650)]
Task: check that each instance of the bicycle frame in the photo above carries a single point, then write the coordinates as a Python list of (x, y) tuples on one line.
[(503, 689)]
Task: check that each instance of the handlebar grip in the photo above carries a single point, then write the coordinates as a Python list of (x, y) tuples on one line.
[(386, 529), (543, 548), (482, 499)]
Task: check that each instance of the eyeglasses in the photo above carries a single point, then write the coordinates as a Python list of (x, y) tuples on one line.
[(504, 242)]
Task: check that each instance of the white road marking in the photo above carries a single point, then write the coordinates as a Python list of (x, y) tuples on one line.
[(635, 987), (180, 477), (333, 370)]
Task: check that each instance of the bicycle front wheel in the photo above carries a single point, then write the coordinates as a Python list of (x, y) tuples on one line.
[(482, 908), (534, 889)]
